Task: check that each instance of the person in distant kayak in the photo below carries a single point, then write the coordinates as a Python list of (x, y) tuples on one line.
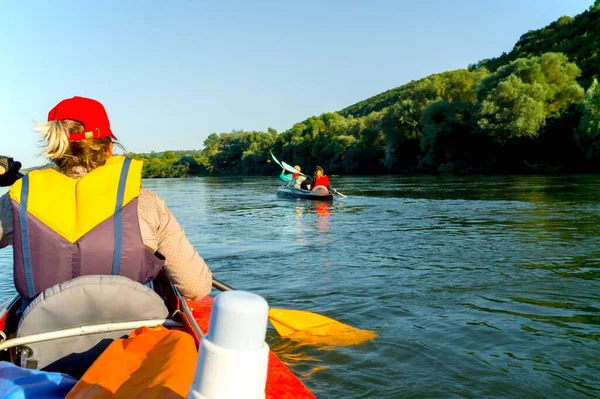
[(320, 179), (91, 216), (293, 179), (287, 177)]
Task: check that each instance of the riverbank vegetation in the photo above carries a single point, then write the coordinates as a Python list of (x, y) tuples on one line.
[(536, 108)]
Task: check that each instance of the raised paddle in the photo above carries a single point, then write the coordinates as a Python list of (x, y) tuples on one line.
[(290, 168), (275, 159), (310, 328)]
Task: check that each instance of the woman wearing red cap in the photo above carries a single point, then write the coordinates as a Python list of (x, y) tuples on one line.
[(91, 216)]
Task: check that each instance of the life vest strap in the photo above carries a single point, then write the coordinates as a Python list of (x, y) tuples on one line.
[(25, 236), (118, 251)]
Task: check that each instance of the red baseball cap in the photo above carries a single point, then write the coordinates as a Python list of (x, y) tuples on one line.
[(87, 111)]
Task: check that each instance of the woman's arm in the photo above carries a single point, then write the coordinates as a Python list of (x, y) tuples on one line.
[(186, 268)]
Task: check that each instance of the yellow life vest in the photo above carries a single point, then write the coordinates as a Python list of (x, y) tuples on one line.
[(66, 227)]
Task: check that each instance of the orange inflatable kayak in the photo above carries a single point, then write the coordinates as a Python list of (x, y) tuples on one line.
[(144, 358)]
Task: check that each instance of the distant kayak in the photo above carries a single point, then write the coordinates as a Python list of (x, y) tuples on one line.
[(319, 193)]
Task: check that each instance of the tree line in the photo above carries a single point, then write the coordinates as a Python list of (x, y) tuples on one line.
[(528, 110)]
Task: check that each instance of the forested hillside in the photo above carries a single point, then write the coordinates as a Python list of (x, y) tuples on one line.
[(536, 108)]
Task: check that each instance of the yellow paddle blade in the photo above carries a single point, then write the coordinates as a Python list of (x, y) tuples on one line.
[(313, 328)]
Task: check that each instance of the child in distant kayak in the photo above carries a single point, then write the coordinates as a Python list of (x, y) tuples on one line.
[(293, 179), (91, 216)]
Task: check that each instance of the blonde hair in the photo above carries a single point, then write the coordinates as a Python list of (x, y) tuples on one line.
[(66, 154)]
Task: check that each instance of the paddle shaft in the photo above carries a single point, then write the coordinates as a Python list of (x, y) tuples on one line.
[(290, 168), (338, 193), (221, 286)]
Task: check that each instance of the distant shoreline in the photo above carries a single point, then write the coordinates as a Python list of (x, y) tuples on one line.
[(473, 173)]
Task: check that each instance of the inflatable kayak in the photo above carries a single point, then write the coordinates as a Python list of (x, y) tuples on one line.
[(108, 336), (318, 193)]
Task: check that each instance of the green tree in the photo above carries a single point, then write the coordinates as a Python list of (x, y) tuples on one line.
[(516, 100), (447, 134), (512, 109), (588, 134)]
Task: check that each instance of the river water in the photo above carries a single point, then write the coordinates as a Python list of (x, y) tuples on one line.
[(477, 286)]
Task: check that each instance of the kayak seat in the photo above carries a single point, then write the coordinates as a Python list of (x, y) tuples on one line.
[(83, 301)]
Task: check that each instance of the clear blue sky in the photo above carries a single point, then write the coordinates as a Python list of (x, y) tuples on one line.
[(171, 73)]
